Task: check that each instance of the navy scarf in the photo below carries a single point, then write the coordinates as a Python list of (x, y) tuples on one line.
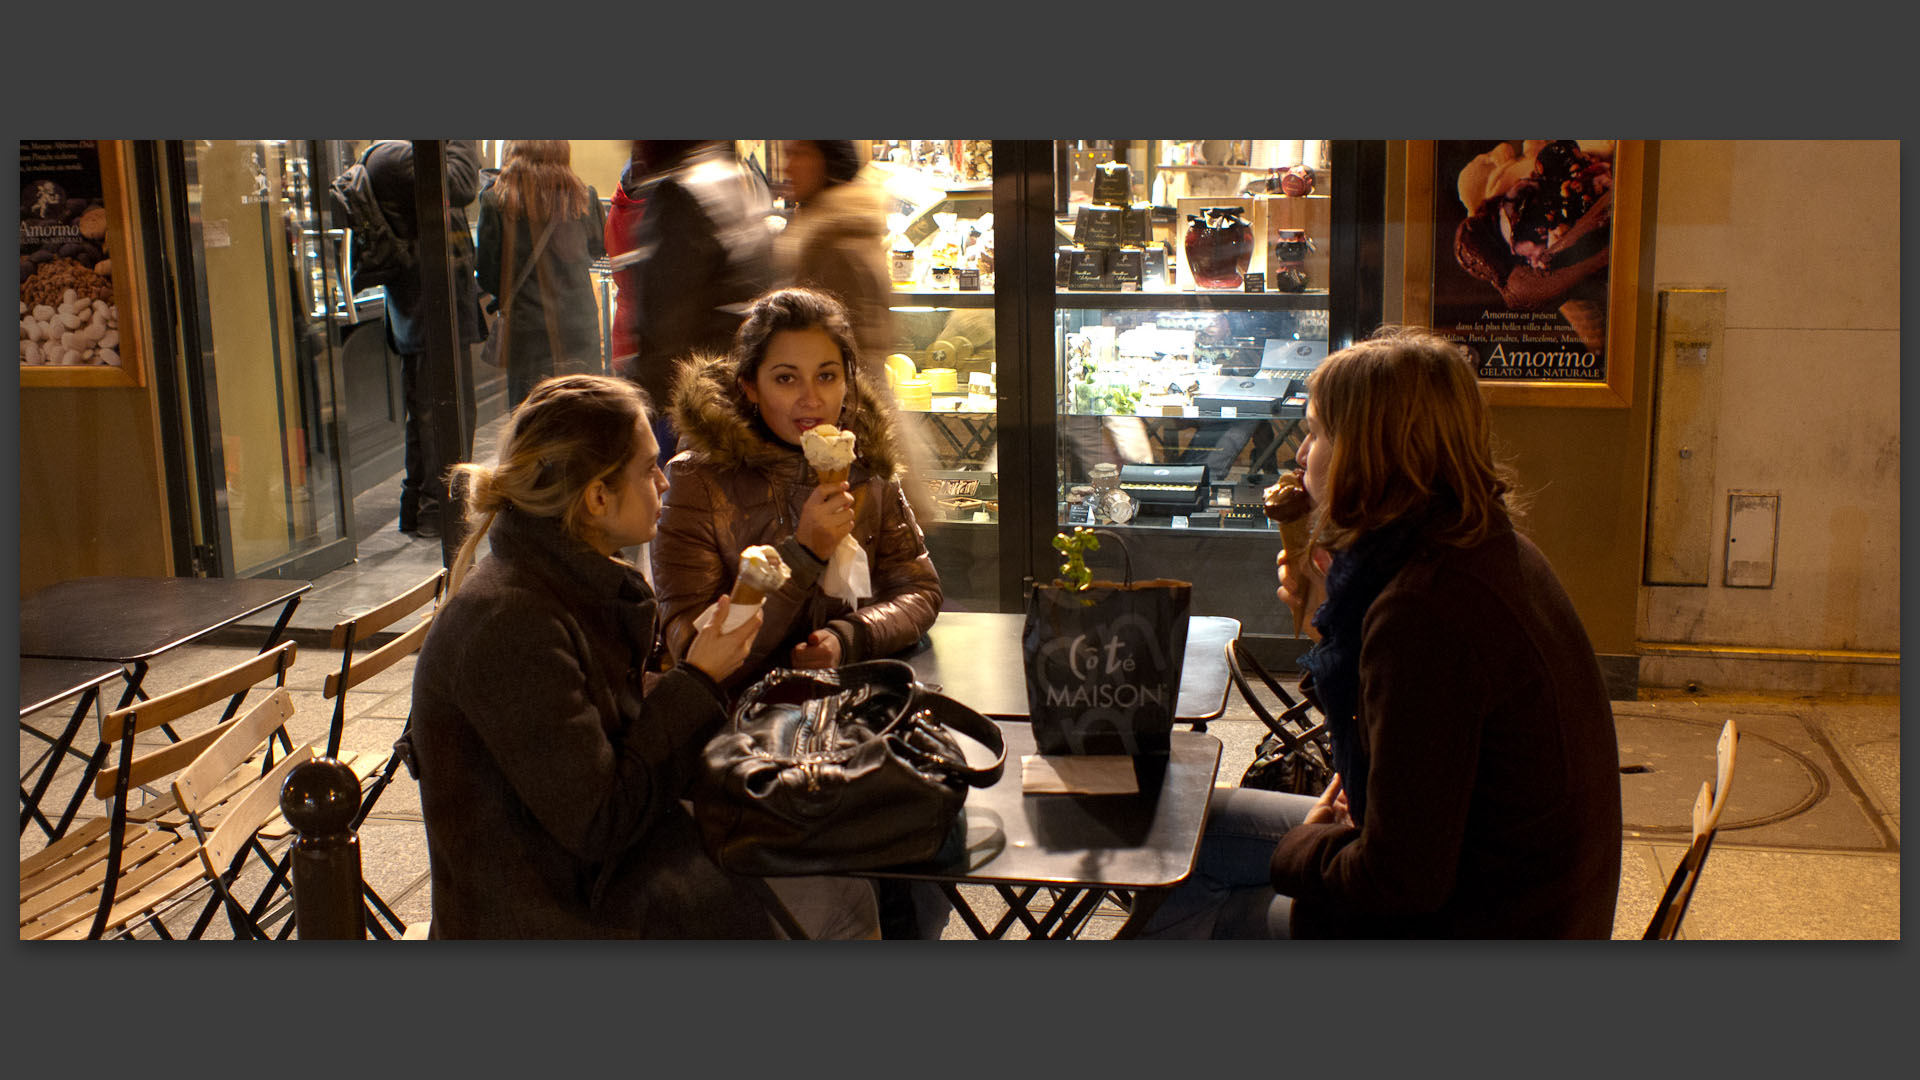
[(1354, 580)]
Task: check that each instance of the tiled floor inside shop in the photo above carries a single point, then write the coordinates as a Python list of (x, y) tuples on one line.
[(1809, 846)]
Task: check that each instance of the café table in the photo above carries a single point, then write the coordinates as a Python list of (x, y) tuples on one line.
[(130, 621), (975, 657), (1076, 850), (44, 683)]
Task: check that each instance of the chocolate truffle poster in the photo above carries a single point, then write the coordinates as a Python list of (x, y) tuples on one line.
[(66, 268), (1522, 234)]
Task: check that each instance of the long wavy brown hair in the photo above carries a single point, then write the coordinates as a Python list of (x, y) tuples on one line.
[(537, 180), (1411, 436)]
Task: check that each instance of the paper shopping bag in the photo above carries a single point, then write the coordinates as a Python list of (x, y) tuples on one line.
[(1103, 664)]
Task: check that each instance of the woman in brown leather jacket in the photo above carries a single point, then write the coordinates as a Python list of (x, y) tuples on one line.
[(742, 481)]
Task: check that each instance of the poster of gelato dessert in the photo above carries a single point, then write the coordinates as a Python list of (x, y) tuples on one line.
[(67, 311), (1523, 233)]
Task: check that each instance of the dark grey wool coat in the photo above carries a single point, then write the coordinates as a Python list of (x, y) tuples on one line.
[(551, 768)]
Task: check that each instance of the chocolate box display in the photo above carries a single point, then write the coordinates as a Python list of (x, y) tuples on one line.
[(1126, 266), (1089, 269), (1112, 183), (1098, 226)]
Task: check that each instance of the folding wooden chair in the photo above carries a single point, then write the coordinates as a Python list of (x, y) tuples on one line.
[(122, 869), (356, 669), (1712, 799)]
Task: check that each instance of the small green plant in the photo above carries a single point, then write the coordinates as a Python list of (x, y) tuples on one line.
[(1075, 546)]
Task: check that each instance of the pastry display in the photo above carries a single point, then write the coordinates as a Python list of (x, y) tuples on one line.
[(1287, 503), (761, 573), (1539, 228), (829, 450)]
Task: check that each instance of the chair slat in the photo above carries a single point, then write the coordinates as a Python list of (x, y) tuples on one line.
[(239, 824), (144, 901), (78, 837), (157, 764), (365, 626), (138, 852), (379, 660), (169, 707), (194, 788)]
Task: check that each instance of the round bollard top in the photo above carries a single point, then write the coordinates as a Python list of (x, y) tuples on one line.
[(320, 797)]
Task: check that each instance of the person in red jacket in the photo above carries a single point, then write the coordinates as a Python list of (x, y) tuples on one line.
[(622, 237)]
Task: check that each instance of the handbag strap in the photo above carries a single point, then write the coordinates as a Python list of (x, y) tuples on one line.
[(533, 261), (933, 709), (922, 706)]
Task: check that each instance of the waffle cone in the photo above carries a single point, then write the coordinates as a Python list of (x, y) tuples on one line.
[(1296, 538), (744, 593), (832, 476), (1588, 319)]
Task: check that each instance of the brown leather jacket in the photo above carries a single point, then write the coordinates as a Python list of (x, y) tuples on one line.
[(734, 486)]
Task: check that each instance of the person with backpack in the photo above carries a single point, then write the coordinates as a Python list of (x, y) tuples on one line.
[(389, 171)]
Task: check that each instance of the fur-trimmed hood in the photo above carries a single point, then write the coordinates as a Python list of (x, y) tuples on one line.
[(712, 426)]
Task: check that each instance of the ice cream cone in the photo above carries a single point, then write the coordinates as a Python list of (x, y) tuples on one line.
[(744, 593), (1588, 319), (832, 476)]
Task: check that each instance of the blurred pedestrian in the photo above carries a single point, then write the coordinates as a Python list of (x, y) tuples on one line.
[(389, 164), (623, 243), (837, 241), (541, 228), (705, 252)]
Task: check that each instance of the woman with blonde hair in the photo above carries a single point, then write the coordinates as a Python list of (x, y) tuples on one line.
[(1477, 787), (541, 228), (552, 755)]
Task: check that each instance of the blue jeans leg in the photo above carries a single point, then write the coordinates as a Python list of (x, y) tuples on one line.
[(1229, 894)]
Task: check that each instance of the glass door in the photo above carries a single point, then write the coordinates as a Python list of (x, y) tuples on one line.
[(255, 268), (1196, 284)]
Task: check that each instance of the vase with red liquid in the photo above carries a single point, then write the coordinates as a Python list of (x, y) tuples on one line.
[(1219, 246)]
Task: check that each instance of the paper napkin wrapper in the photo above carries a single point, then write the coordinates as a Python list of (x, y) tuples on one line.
[(1078, 774)]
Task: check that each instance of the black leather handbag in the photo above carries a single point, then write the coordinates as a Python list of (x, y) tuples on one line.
[(838, 769)]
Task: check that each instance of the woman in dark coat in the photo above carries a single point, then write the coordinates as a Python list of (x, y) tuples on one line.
[(553, 324), (552, 760), (1477, 791)]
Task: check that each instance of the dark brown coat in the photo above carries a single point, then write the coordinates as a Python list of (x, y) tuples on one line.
[(1493, 792), (550, 785), (735, 488)]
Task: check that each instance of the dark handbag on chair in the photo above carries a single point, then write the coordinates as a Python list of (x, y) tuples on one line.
[(1297, 757), (849, 768)]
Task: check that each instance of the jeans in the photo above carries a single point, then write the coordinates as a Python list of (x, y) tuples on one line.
[(1229, 894)]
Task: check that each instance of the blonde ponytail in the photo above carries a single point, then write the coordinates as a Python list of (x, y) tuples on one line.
[(569, 432)]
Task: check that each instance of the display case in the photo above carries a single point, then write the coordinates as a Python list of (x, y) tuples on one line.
[(1194, 291), (944, 368)]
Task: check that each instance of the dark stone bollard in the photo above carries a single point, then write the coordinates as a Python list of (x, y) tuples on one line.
[(320, 799)]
